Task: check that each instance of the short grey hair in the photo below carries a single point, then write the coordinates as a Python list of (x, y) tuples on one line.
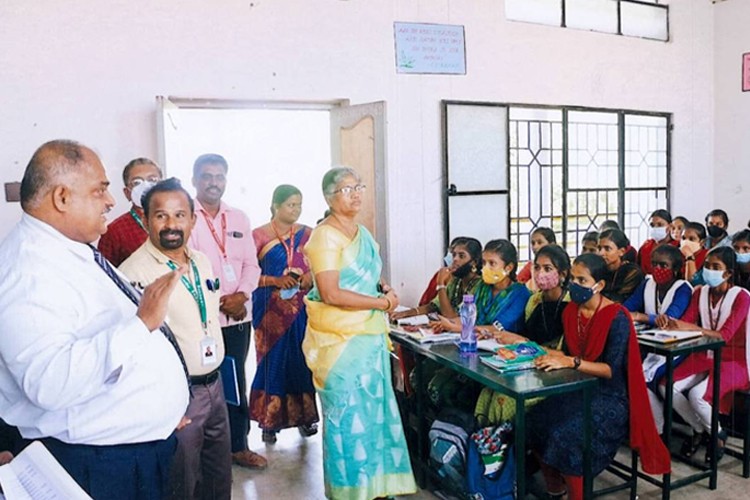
[(333, 177), (50, 166)]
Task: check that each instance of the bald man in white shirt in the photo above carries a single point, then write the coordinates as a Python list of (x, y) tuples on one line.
[(86, 365)]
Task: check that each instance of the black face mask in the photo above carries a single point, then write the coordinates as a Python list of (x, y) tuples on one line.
[(715, 232), (463, 271)]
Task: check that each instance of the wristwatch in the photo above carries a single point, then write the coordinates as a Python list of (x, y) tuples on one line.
[(440, 287), (691, 258), (576, 362)]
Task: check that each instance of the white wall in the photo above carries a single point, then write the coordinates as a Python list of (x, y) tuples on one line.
[(732, 113), (79, 70)]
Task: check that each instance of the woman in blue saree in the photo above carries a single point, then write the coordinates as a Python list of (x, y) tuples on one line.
[(282, 393), (346, 346)]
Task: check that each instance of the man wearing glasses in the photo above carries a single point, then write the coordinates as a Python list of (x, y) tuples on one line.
[(126, 233)]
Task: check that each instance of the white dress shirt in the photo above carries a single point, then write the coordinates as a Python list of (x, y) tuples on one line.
[(76, 363)]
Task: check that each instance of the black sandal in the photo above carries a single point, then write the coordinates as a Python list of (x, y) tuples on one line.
[(307, 430), (721, 438), (692, 443)]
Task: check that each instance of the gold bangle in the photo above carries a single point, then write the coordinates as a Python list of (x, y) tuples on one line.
[(388, 302)]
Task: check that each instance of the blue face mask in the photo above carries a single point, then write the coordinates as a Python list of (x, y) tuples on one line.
[(580, 294), (448, 259), (288, 293), (713, 278), (743, 258)]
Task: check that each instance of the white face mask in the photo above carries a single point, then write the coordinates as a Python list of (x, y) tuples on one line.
[(658, 233), (136, 194)]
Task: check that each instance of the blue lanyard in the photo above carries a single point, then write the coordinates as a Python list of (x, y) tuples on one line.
[(137, 218)]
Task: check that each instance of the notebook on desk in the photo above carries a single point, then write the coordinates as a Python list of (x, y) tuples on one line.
[(668, 336)]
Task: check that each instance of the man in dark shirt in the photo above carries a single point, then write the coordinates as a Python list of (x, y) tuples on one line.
[(126, 233)]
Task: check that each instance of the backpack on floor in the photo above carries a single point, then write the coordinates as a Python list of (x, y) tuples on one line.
[(500, 483), (449, 439)]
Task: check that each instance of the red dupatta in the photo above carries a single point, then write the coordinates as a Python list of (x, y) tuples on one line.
[(643, 435)]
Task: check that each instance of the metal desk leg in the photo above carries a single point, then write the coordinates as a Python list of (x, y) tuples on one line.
[(588, 478), (520, 448), (712, 482), (666, 488), (421, 428)]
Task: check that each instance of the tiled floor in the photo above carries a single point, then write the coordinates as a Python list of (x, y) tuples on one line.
[(295, 472)]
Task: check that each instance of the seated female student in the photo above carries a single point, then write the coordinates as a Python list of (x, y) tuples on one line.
[(540, 237), (431, 292), (500, 301), (664, 292), (678, 225), (543, 326), (741, 245), (590, 242), (631, 254), (624, 276), (660, 234), (599, 341), (693, 249), (454, 281), (718, 309)]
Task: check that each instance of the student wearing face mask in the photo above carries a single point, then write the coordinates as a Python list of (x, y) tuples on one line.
[(624, 276), (717, 223), (663, 292), (693, 251), (660, 234), (540, 237), (599, 340), (718, 310), (454, 281), (499, 299), (543, 325), (741, 245)]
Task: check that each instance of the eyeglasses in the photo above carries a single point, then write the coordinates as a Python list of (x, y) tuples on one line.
[(348, 190), (153, 179)]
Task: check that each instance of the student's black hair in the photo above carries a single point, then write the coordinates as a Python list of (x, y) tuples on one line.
[(548, 234), (717, 212), (609, 224), (697, 227), (559, 257), (595, 264), (743, 235), (662, 214), (591, 236), (672, 253), (728, 257), (472, 246), (507, 251), (615, 236), (681, 219)]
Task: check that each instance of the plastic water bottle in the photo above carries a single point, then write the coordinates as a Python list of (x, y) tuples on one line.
[(468, 313)]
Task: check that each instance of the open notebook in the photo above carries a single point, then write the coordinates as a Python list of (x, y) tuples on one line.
[(668, 336)]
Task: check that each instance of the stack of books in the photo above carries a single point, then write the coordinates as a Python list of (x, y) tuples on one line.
[(514, 357)]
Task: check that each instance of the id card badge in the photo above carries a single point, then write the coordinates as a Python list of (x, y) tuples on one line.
[(208, 351), (229, 272)]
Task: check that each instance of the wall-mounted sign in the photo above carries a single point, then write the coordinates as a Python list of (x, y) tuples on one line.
[(746, 72), (430, 48)]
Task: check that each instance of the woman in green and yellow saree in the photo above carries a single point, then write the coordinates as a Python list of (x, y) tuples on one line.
[(346, 347)]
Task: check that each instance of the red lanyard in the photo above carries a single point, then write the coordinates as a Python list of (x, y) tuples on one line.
[(289, 248), (222, 243)]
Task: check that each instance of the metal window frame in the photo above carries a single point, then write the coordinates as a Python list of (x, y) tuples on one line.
[(621, 188)]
